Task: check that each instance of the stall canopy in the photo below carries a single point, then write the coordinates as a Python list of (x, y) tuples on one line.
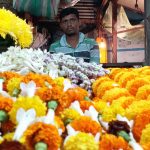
[(42, 8)]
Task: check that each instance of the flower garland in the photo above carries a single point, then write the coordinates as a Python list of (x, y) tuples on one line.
[(17, 28)]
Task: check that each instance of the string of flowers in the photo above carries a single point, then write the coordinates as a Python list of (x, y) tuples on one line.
[(17, 28)]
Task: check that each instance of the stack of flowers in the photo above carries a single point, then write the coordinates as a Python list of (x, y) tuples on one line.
[(16, 28)]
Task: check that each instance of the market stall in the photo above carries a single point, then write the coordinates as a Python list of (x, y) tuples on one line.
[(54, 101)]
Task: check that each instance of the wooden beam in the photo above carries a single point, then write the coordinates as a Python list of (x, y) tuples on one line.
[(114, 31)]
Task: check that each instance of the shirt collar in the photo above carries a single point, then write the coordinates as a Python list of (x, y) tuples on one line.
[(63, 41)]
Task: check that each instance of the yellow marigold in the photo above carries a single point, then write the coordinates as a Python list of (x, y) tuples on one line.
[(120, 74), (137, 107), (86, 124), (70, 114), (140, 122), (111, 112), (60, 82), (111, 142), (107, 85), (28, 103), (13, 83), (7, 75), (40, 132), (146, 71), (81, 141), (114, 94), (100, 106), (143, 92), (98, 82), (145, 137), (5, 103), (20, 31), (123, 101), (44, 93), (126, 77), (8, 136), (133, 85)]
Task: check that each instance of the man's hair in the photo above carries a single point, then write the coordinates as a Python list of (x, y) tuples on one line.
[(68, 11)]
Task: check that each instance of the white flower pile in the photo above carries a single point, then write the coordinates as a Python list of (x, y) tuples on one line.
[(38, 61)]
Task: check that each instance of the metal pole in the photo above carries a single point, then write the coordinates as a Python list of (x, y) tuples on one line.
[(147, 31), (114, 31)]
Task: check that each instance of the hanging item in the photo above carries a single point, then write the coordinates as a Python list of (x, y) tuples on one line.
[(46, 8)]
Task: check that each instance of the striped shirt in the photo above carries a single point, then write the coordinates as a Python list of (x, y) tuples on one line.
[(87, 48)]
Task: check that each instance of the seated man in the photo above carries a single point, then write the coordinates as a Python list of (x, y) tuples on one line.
[(73, 42)]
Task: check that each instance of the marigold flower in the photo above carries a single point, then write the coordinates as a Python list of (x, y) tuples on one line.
[(100, 106), (114, 94), (123, 101), (86, 124), (42, 132), (7, 75), (120, 74), (84, 105), (146, 146), (111, 112), (13, 83), (145, 137), (107, 85), (110, 142), (81, 141), (12, 145), (133, 85), (125, 78), (5, 103), (70, 96), (44, 93), (137, 107), (143, 92), (7, 127), (59, 123), (113, 72), (60, 82), (21, 32), (96, 84), (70, 114), (140, 122), (28, 103)]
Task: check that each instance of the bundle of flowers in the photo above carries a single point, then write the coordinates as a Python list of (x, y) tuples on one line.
[(44, 113), (16, 28), (24, 61)]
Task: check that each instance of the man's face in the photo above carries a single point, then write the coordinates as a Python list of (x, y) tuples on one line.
[(70, 24)]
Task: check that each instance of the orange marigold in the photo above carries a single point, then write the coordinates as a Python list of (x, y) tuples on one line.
[(143, 92), (140, 122), (5, 103), (44, 93), (133, 85), (111, 142), (146, 146), (96, 84), (84, 105), (113, 72), (86, 124), (7, 127), (114, 94), (40, 132)]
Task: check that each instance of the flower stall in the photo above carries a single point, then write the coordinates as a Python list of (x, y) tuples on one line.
[(51, 101)]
